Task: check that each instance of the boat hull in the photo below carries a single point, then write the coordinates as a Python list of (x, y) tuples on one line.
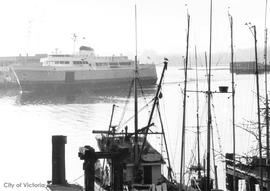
[(51, 77)]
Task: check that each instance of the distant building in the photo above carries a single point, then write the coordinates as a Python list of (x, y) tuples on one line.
[(247, 67), (22, 60)]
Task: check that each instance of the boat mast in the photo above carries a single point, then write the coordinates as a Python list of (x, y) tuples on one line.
[(209, 121), (184, 112), (197, 116), (258, 102), (233, 99), (266, 95), (258, 108), (113, 130), (136, 100), (156, 100)]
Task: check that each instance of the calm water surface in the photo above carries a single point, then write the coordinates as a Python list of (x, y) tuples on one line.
[(29, 120)]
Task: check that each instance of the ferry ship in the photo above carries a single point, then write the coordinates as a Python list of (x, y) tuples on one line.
[(82, 69)]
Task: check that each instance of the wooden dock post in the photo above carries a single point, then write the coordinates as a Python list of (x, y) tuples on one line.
[(58, 160)]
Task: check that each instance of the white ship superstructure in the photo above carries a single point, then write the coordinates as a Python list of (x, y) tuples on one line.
[(84, 68)]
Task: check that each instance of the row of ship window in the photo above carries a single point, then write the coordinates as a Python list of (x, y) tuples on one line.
[(86, 62), (113, 64), (66, 62)]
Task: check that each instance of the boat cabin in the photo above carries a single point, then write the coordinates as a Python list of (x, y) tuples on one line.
[(149, 171), (87, 58), (66, 60)]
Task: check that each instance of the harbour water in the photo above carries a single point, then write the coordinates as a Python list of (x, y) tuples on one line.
[(29, 120)]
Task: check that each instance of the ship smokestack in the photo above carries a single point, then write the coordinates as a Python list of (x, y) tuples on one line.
[(87, 51)]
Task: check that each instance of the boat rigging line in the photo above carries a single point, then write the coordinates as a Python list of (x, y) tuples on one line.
[(143, 94), (126, 103), (170, 172), (217, 130), (120, 123), (132, 117), (214, 157)]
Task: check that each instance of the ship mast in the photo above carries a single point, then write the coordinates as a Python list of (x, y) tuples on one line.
[(266, 95), (136, 100), (233, 99), (197, 116), (252, 29), (209, 121), (155, 104), (184, 112), (258, 108)]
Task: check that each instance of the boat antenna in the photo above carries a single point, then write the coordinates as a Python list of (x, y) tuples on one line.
[(252, 29), (136, 152), (184, 112), (266, 95), (209, 121), (197, 114), (233, 98)]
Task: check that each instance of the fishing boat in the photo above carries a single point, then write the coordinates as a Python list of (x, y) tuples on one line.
[(132, 162), (61, 70)]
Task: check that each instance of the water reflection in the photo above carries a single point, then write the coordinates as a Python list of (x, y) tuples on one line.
[(82, 95)]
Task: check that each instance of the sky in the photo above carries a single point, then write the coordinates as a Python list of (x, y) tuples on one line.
[(108, 26)]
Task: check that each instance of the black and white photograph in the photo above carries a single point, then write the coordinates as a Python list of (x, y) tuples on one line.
[(134, 95)]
